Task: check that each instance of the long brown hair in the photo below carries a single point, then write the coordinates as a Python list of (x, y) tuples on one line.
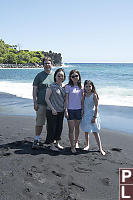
[(93, 87), (70, 80)]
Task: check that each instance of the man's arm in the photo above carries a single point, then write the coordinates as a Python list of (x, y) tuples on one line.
[(35, 97)]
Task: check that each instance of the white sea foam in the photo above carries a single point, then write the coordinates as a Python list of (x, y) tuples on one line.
[(23, 90), (108, 95), (116, 96), (66, 66)]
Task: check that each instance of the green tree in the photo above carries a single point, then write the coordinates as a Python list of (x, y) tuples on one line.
[(10, 58), (34, 60), (1, 59), (10, 55)]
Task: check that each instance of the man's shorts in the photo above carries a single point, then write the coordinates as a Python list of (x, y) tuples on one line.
[(74, 114), (41, 115)]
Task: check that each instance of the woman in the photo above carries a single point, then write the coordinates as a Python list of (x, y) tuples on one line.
[(55, 98), (73, 104)]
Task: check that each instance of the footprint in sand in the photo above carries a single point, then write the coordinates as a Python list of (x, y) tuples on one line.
[(82, 170), (33, 173), (4, 152), (106, 181), (57, 174)]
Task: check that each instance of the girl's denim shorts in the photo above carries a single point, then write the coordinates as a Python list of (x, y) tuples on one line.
[(74, 114)]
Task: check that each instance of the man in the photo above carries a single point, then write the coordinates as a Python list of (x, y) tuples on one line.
[(40, 84)]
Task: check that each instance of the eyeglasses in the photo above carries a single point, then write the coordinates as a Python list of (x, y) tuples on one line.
[(47, 63), (75, 76)]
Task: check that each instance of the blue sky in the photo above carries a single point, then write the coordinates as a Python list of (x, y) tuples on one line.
[(81, 30)]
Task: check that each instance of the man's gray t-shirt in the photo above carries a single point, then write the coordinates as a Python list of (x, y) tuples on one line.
[(42, 81)]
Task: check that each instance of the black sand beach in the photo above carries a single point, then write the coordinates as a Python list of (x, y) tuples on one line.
[(43, 174)]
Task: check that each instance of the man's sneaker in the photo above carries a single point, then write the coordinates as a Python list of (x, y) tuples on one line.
[(35, 144), (41, 144)]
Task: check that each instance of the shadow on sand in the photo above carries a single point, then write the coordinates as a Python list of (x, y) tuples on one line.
[(25, 147)]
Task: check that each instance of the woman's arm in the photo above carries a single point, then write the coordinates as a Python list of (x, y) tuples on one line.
[(47, 96)]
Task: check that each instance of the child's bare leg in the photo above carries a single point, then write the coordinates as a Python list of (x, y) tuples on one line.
[(86, 148), (71, 137), (98, 140), (76, 124)]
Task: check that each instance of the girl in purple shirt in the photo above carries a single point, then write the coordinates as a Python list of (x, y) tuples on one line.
[(73, 107)]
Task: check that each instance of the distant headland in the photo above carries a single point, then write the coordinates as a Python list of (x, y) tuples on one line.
[(12, 57)]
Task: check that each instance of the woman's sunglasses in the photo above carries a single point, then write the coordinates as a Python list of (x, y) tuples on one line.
[(75, 76)]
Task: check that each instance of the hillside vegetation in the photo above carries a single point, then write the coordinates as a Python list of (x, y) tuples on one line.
[(11, 54)]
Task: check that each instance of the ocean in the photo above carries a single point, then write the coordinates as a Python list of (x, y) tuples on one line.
[(113, 82)]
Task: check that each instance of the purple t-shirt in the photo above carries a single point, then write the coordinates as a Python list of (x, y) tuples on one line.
[(75, 95)]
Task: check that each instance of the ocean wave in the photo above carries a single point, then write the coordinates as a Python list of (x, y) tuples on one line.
[(23, 90), (114, 95), (66, 65), (107, 96)]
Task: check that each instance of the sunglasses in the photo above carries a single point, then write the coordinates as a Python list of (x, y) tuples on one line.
[(75, 76), (47, 63), (60, 76)]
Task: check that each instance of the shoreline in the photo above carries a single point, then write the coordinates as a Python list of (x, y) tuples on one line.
[(86, 175), (21, 66), (119, 132), (117, 118)]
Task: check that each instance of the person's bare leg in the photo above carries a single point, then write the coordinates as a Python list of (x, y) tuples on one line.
[(71, 137), (98, 140), (38, 130), (76, 124), (86, 148)]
